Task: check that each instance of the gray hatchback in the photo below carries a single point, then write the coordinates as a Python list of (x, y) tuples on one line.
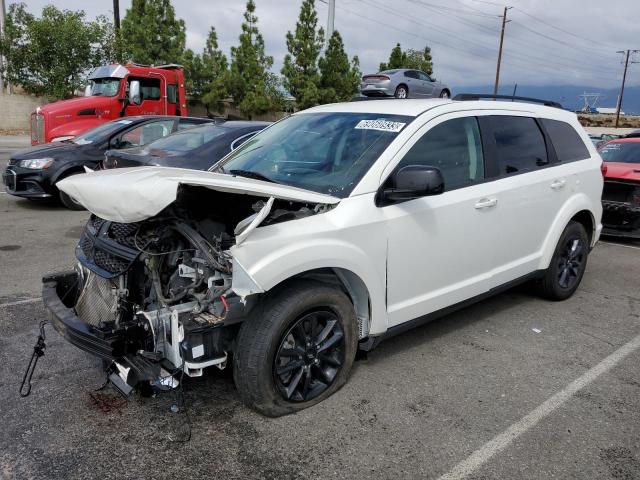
[(403, 83)]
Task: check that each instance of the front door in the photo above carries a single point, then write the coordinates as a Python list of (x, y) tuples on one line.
[(426, 85), (440, 247), (150, 95)]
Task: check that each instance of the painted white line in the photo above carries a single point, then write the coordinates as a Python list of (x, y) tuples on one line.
[(21, 302), (503, 440), (620, 245)]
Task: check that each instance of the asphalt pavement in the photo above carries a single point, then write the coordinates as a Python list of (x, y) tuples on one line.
[(513, 387)]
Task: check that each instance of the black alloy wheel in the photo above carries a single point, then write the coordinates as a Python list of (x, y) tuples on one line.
[(570, 262), (309, 357)]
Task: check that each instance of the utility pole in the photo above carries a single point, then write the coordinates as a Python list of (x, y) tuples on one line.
[(330, 20), (504, 22), (116, 15), (624, 78), (3, 14)]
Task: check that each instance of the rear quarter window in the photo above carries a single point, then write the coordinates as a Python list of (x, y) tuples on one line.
[(567, 143)]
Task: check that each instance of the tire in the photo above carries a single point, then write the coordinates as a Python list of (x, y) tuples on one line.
[(67, 201), (401, 92), (276, 332), (445, 94), (567, 265)]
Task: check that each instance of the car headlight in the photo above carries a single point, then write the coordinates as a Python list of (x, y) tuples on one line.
[(36, 163)]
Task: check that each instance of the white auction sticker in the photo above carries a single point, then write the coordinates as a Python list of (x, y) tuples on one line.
[(380, 124), (197, 351)]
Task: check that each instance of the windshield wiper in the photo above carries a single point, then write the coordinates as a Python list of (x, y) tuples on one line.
[(250, 174)]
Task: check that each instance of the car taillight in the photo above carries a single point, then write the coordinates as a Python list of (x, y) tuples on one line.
[(603, 169), (375, 78)]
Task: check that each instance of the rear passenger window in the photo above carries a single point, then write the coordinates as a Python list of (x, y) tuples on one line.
[(567, 143), (455, 148), (520, 144)]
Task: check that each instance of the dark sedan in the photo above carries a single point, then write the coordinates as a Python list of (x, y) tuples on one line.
[(198, 148), (33, 173)]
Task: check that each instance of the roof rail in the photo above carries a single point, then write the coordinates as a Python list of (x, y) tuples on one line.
[(482, 96)]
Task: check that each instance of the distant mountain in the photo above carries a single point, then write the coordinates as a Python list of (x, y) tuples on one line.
[(567, 95)]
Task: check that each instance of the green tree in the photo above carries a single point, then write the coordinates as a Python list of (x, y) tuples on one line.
[(300, 70), (339, 78), (419, 60), (253, 88), (51, 55), (152, 33), (216, 68), (397, 59)]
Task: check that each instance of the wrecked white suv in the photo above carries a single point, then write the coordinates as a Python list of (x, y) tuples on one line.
[(322, 235)]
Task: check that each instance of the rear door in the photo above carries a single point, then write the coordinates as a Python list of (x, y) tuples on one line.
[(529, 191), (413, 84)]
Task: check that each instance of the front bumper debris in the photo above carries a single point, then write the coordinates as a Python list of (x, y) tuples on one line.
[(59, 292), (620, 219)]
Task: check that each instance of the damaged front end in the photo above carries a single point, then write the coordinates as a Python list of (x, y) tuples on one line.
[(621, 209), (156, 297)]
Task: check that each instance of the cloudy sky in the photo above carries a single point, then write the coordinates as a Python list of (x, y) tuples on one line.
[(547, 42)]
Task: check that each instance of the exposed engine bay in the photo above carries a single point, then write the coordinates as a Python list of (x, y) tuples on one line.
[(159, 293)]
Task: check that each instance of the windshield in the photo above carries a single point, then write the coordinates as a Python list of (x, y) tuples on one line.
[(102, 132), (625, 152), (323, 152), (107, 87), (188, 140)]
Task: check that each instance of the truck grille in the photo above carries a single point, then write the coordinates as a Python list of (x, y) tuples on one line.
[(37, 128)]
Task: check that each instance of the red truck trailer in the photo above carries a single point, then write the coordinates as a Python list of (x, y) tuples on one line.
[(115, 91)]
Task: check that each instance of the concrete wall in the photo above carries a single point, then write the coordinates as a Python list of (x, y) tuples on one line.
[(15, 110)]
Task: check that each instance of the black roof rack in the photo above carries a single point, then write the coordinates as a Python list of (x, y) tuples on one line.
[(489, 96)]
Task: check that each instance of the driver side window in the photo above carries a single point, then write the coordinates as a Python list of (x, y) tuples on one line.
[(455, 148), (144, 134)]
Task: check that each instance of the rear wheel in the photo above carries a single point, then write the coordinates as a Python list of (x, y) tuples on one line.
[(568, 264), (67, 200), (445, 94), (401, 92), (297, 350)]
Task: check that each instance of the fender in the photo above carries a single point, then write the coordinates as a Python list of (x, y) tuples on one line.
[(62, 172), (260, 272), (575, 204)]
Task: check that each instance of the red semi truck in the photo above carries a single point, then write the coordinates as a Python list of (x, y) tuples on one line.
[(115, 91)]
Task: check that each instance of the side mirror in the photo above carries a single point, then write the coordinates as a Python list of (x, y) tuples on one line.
[(87, 91), (410, 182), (134, 93)]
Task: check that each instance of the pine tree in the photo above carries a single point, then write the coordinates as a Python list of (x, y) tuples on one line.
[(253, 88), (215, 66), (339, 78), (419, 60), (397, 59), (152, 32), (301, 77)]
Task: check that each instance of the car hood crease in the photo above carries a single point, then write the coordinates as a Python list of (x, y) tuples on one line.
[(129, 195)]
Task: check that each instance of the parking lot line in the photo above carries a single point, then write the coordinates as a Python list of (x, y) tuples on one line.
[(20, 302), (503, 440), (620, 245)]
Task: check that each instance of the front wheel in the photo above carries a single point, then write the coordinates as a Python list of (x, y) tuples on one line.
[(568, 264), (297, 349)]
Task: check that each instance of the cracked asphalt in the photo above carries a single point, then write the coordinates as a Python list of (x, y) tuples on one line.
[(414, 408)]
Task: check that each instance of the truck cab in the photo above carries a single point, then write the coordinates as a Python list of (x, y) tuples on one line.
[(114, 91)]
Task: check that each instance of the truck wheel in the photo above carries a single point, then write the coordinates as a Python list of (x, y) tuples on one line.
[(568, 264), (68, 201), (297, 349)]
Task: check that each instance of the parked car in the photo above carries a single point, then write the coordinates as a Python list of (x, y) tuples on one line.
[(197, 148), (621, 194), (403, 83), (34, 173), (331, 230)]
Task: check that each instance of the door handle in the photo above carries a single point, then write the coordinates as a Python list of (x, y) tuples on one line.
[(558, 184), (486, 203)]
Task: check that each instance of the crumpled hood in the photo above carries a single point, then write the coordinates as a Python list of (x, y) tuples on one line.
[(129, 195)]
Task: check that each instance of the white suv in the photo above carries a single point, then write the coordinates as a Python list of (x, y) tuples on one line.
[(327, 232)]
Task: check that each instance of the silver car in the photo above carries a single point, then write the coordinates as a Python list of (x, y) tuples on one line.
[(403, 83)]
